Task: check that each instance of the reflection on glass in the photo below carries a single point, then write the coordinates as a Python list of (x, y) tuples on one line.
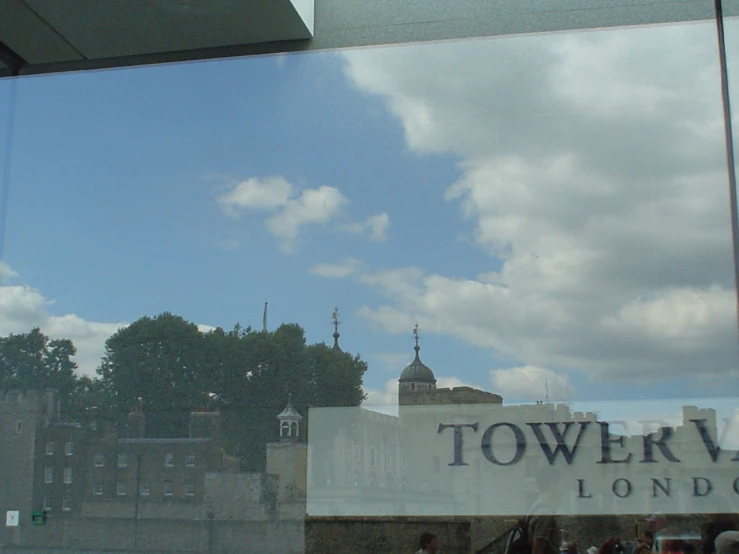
[(528, 239)]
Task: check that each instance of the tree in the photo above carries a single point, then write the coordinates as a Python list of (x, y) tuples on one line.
[(248, 375), (31, 361), (158, 360), (273, 367)]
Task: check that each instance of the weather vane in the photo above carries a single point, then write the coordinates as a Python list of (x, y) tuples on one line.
[(415, 333)]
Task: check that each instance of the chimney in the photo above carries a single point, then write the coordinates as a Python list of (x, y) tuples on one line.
[(205, 425), (137, 422), (50, 410)]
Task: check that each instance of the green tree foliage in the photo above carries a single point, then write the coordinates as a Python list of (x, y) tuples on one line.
[(159, 360), (268, 368), (248, 375), (33, 361)]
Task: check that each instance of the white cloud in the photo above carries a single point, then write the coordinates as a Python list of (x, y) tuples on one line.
[(375, 225), (312, 206), (269, 193), (529, 383), (291, 210), (387, 396), (6, 274), (22, 308), (593, 172), (337, 270)]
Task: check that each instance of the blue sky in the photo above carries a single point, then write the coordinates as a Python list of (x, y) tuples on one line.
[(400, 184)]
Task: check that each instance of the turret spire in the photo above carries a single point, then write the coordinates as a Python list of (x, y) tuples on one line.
[(416, 338), (336, 322)]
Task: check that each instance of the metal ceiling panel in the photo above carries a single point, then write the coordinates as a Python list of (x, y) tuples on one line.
[(63, 35), (119, 28), (30, 37)]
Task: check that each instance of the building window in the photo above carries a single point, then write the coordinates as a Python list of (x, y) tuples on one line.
[(372, 457), (122, 460), (18, 426), (99, 460), (67, 475), (47, 503), (168, 488), (169, 460), (50, 448), (48, 475), (190, 460), (144, 488), (66, 503), (189, 489), (68, 448), (97, 489), (120, 488)]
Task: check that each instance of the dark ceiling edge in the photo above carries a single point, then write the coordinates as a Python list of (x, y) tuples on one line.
[(222, 52), (265, 48), (10, 58)]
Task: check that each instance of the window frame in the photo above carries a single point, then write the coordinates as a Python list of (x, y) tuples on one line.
[(122, 460)]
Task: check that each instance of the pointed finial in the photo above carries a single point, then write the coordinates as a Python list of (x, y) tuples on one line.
[(416, 337), (335, 318)]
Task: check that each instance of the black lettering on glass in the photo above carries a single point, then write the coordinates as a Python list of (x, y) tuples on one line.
[(665, 488), (458, 439), (559, 436), (650, 442), (705, 490), (713, 449), (621, 491), (606, 440), (581, 489), (487, 444)]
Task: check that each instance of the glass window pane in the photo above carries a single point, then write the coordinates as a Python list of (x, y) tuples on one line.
[(513, 253)]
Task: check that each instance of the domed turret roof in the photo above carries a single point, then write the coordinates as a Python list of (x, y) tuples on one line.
[(417, 371), (289, 412)]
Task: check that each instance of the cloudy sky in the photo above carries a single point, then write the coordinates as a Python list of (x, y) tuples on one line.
[(549, 209)]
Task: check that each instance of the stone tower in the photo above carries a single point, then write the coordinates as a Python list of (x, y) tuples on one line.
[(416, 378), (288, 461)]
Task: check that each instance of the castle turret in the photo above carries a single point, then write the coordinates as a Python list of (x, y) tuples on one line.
[(289, 420), (416, 377)]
